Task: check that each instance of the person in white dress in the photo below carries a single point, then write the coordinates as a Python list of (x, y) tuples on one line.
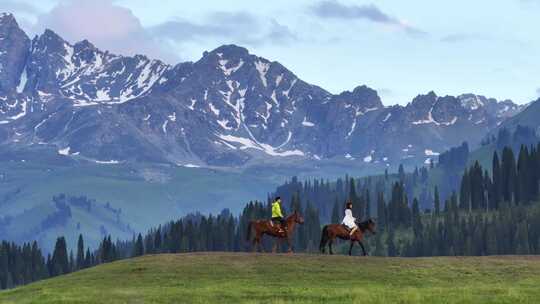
[(349, 219)]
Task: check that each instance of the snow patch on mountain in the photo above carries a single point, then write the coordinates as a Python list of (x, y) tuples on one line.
[(64, 151), (246, 143), (429, 152), (307, 123), (262, 68)]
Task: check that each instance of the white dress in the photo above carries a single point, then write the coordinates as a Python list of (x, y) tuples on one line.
[(349, 220)]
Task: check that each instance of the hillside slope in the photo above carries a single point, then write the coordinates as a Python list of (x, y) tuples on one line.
[(129, 198), (528, 117), (250, 278)]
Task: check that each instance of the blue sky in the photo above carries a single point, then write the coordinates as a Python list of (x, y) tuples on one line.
[(400, 48)]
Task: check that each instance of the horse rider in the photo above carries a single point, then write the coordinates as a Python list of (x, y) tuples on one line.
[(277, 215), (349, 221)]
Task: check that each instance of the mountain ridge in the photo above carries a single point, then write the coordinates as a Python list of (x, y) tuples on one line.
[(229, 108)]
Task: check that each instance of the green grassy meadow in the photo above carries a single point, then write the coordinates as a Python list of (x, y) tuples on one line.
[(264, 278)]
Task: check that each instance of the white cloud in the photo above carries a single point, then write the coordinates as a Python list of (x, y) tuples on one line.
[(235, 27), (335, 10), (105, 24)]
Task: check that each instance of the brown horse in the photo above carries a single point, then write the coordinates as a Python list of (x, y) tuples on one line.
[(333, 231), (263, 227)]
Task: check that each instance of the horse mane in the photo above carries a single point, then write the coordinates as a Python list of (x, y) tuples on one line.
[(364, 225), (290, 216)]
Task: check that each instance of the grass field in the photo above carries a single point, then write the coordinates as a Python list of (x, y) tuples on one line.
[(259, 278)]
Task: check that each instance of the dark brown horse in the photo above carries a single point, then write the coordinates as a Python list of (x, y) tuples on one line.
[(333, 231), (263, 227)]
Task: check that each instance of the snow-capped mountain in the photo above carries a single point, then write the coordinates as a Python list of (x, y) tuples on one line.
[(227, 109)]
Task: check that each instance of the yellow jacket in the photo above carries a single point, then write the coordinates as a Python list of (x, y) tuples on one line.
[(276, 210)]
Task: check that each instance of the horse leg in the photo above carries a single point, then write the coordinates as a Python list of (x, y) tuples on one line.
[(363, 249), (261, 247), (254, 245), (258, 237), (275, 245), (289, 243), (350, 248), (330, 246), (255, 242)]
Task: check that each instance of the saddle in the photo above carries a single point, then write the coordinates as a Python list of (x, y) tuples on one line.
[(275, 224), (346, 228)]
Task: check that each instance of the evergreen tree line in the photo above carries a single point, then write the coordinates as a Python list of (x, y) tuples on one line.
[(495, 212), (512, 181), (25, 264), (508, 230)]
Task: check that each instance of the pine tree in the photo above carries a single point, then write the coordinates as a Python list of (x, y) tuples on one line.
[(392, 249), (352, 192), (72, 262), (401, 173), (80, 253), (59, 261), (465, 192), (416, 218), (525, 166), (379, 247), (491, 240), (88, 259), (368, 203), (522, 239), (437, 201), (508, 175), (157, 240), (382, 217), (496, 179), (139, 247), (336, 212)]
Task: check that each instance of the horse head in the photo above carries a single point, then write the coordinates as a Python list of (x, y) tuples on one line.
[(297, 217), (370, 225)]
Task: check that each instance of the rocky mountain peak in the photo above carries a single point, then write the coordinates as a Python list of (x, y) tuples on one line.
[(429, 97), (49, 42), (14, 45), (364, 97), (84, 45), (7, 19), (230, 51), (473, 102), (423, 103)]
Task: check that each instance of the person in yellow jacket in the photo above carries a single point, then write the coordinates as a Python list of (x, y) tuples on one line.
[(277, 215)]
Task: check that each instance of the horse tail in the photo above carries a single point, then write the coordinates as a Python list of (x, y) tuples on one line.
[(324, 238), (249, 228)]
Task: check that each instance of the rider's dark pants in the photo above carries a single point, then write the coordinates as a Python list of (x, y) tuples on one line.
[(279, 220)]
